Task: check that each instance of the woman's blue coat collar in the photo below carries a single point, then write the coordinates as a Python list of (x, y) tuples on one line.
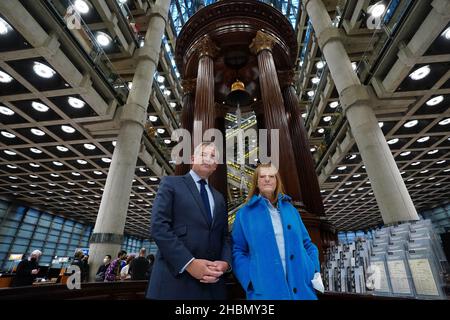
[(257, 198)]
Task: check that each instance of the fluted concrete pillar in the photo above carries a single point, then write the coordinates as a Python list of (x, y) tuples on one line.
[(109, 226), (389, 189), (274, 113)]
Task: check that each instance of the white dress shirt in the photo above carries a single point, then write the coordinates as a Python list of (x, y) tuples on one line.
[(278, 230)]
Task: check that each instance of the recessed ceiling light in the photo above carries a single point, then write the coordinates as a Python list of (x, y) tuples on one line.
[(80, 161), (334, 104), (57, 163), (446, 33), (393, 141), (34, 165), (4, 27), (114, 143), (62, 149), (360, 189), (8, 135), (353, 156), (70, 183), (424, 139), (39, 106), (356, 176), (354, 66), (380, 124), (103, 39), (5, 78), (447, 170), (43, 70), (54, 175), (36, 150), (91, 182), (406, 153), (15, 187), (342, 168), (441, 161), (321, 130), (9, 152), (437, 184), (320, 65), (76, 103), (173, 104), (411, 123), (334, 177), (161, 130), (33, 176), (141, 188), (311, 93), (6, 111), (377, 9), (153, 118), (444, 122), (341, 190), (11, 166), (434, 101), (89, 146), (99, 173), (431, 178), (348, 183), (424, 171), (315, 80), (153, 179), (415, 163), (67, 191), (304, 115), (409, 180), (106, 160), (167, 141), (433, 151), (33, 185), (130, 85), (312, 149), (160, 79), (81, 6), (167, 92), (76, 174), (67, 129), (13, 178), (327, 118), (142, 170), (420, 73), (37, 132), (162, 87)]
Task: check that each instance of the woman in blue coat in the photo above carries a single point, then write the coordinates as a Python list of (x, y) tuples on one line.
[(273, 256)]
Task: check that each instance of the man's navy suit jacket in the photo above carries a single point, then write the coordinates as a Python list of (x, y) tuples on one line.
[(181, 231)]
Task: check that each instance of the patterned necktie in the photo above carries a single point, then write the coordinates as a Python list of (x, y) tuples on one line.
[(205, 199)]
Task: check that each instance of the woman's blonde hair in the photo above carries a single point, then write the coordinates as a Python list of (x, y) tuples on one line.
[(255, 190)]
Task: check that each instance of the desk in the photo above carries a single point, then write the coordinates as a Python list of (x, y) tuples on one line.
[(6, 280)]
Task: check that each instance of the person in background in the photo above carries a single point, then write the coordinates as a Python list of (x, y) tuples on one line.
[(100, 275), (139, 266), (27, 270), (151, 260), (124, 272), (273, 256), (78, 261), (113, 270), (85, 270)]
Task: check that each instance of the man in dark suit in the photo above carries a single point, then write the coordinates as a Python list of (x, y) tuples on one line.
[(190, 228)]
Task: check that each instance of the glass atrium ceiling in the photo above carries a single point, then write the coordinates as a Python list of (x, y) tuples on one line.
[(182, 10)]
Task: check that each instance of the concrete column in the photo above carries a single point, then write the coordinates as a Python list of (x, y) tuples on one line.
[(389, 189), (109, 226)]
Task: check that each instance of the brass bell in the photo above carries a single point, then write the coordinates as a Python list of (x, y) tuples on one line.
[(238, 95)]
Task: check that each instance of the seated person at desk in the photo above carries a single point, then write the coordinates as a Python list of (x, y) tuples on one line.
[(27, 270)]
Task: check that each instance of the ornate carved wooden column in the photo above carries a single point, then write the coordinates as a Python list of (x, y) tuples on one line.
[(204, 117), (187, 117), (274, 113), (307, 177)]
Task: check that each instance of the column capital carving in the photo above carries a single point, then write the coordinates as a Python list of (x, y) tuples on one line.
[(188, 85), (262, 41), (206, 47), (286, 78)]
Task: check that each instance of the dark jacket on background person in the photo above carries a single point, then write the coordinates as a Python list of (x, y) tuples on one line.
[(138, 268), (84, 268), (23, 273), (101, 272)]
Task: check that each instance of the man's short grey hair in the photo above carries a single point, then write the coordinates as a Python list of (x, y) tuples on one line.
[(198, 149), (37, 253)]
